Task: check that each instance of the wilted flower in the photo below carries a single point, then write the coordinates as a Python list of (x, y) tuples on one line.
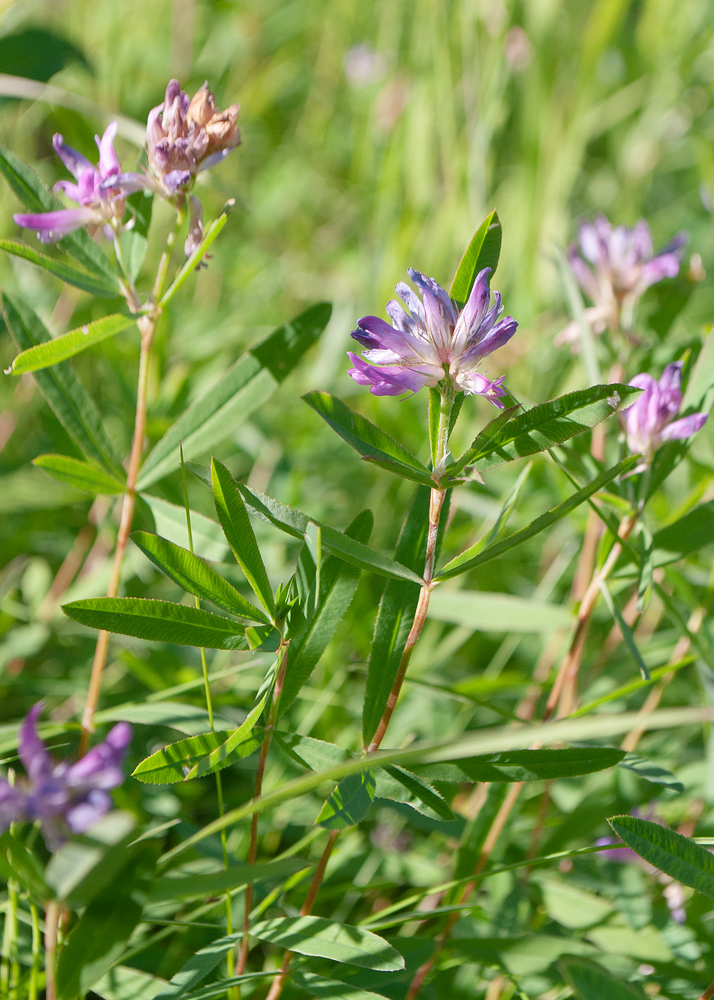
[(431, 341), (648, 421), (63, 797), (184, 137), (101, 201), (614, 266)]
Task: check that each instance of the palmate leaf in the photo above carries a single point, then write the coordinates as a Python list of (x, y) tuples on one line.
[(195, 576), (294, 522), (37, 198), (245, 387), (59, 269), (321, 938), (239, 533), (338, 583), (69, 344), (81, 475), (546, 425), (158, 621), (63, 390), (369, 440), (476, 555), (483, 251), (670, 852)]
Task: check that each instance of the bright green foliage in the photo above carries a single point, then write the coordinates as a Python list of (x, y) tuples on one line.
[(483, 251)]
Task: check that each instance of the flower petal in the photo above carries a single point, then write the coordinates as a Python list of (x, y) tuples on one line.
[(685, 427), (33, 752), (52, 226), (74, 161), (108, 161)]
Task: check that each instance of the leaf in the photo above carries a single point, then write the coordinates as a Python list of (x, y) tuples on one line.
[(686, 535), (331, 989), (174, 888), (170, 522), (99, 938), (63, 390), (194, 261), (82, 867), (176, 761), (369, 440), (395, 615), (239, 532), (321, 938), (349, 803), (158, 621), (124, 983), (134, 241), (539, 765), (417, 789), (198, 967), (548, 424), (239, 744), (23, 866), (80, 475), (338, 584), (472, 557), (311, 753), (60, 348), (627, 633), (37, 54), (185, 718), (701, 381), (193, 575), (294, 522), (668, 851), (650, 771), (490, 612), (484, 439), (483, 251), (34, 196), (592, 982), (246, 386), (65, 272)]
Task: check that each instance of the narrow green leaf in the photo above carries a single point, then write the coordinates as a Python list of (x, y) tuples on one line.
[(366, 438), (701, 381), (548, 424), (496, 612), (62, 389), (124, 983), (25, 867), (417, 788), (37, 198), (99, 938), (195, 576), (294, 522), (194, 261), (66, 346), (686, 535), (198, 967), (592, 982), (239, 532), (650, 771), (483, 251), (81, 475), (172, 888), (668, 851), (239, 744), (331, 989), (349, 803), (65, 272), (483, 440), (321, 938), (311, 753), (246, 386), (627, 633), (170, 522), (338, 583), (177, 761), (469, 560), (395, 615), (158, 621), (539, 765)]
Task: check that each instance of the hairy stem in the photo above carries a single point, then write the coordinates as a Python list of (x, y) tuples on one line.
[(262, 757), (147, 328)]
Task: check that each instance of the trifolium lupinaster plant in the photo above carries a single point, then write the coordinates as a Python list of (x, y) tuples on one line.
[(157, 899)]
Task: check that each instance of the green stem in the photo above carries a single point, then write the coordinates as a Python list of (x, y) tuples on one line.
[(235, 991), (36, 953)]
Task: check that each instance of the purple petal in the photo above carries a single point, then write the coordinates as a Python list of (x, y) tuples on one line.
[(83, 815), (665, 266), (495, 338), (477, 304), (176, 180), (387, 381), (102, 766), (583, 275), (69, 188), (642, 240), (591, 242), (108, 161), (685, 427), (129, 183), (475, 383), (411, 300), (74, 161), (12, 804), (214, 159), (52, 226), (32, 750)]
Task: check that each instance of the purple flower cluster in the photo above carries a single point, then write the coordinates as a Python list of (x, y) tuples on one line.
[(63, 797), (97, 192), (649, 421), (431, 341)]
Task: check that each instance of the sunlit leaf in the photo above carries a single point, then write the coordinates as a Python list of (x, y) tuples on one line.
[(483, 251), (81, 475)]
